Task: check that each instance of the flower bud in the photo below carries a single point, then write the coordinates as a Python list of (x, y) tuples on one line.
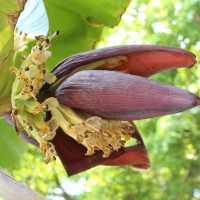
[(116, 95)]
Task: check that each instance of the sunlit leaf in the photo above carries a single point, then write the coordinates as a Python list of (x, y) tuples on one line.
[(12, 146), (9, 12)]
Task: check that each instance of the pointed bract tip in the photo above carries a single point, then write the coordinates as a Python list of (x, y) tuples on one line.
[(115, 95)]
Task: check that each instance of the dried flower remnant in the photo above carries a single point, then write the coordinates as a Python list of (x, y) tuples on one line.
[(20, 43)]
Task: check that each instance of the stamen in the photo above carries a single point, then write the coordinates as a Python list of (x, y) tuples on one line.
[(40, 47), (20, 43), (106, 135), (48, 129), (47, 40), (49, 150), (26, 69), (15, 118), (47, 105)]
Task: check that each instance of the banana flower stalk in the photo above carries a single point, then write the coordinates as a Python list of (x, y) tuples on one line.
[(83, 110)]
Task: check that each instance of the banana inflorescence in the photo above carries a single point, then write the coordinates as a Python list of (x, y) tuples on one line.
[(29, 115), (29, 110)]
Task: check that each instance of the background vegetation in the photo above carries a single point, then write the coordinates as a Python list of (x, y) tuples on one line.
[(172, 141)]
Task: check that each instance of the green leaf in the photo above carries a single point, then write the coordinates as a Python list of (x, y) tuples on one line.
[(80, 24), (6, 37), (9, 13), (12, 146)]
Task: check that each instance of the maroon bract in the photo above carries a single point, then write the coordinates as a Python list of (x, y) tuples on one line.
[(142, 60)]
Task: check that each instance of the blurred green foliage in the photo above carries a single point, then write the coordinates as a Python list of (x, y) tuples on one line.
[(9, 140), (172, 141)]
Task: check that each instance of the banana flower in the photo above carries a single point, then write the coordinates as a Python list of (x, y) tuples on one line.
[(83, 110)]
